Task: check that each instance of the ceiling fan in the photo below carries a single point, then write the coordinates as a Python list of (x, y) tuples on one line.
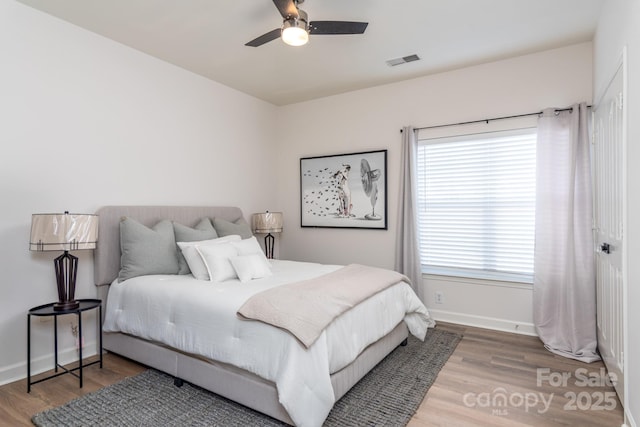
[(296, 27)]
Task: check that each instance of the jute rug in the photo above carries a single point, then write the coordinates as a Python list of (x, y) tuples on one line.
[(389, 395)]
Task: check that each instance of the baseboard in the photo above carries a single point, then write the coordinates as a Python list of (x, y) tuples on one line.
[(503, 325), (628, 419), (44, 363)]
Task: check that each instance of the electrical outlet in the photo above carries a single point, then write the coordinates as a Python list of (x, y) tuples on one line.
[(439, 298), (74, 330)]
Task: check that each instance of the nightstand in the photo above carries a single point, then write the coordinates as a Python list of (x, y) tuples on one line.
[(47, 310)]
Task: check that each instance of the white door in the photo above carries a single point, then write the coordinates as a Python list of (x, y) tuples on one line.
[(609, 205)]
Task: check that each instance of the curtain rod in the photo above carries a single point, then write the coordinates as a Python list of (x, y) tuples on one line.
[(557, 110)]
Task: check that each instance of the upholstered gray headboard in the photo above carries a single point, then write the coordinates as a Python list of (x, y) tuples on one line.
[(107, 254)]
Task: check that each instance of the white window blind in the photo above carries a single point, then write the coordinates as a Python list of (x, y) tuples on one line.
[(476, 203)]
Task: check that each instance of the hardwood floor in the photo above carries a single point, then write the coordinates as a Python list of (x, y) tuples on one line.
[(485, 367), (17, 406), (540, 388)]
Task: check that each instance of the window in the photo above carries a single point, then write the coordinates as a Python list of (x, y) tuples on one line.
[(476, 205)]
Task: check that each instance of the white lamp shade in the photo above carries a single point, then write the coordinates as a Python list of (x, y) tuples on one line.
[(63, 232), (267, 222)]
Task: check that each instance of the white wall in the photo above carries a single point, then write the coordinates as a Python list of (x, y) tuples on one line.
[(619, 26), (371, 119), (88, 122)]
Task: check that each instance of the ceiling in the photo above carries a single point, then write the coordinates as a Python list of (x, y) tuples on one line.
[(207, 37)]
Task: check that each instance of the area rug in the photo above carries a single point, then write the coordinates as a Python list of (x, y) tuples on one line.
[(389, 395)]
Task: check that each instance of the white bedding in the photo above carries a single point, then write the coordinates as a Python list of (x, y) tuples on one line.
[(199, 317)]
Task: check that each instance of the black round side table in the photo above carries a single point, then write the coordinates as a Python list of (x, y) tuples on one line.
[(48, 310)]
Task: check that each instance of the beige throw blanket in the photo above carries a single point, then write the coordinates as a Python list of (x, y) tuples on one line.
[(306, 308)]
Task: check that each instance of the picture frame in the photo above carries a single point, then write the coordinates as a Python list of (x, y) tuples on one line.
[(344, 190)]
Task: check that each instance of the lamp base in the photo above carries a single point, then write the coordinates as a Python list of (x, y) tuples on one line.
[(66, 266), (268, 245), (66, 305)]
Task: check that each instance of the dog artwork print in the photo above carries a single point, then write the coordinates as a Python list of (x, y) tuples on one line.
[(344, 193), (335, 193)]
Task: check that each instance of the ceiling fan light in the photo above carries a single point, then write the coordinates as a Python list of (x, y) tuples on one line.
[(294, 32)]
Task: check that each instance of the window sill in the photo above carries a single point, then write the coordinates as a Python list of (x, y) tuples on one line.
[(468, 279)]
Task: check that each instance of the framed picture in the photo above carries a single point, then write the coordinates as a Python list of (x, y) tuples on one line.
[(344, 190)]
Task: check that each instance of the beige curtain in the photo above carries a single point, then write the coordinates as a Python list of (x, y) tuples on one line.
[(564, 289), (407, 257)]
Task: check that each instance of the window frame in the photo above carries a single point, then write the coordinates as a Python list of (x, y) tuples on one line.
[(467, 133)]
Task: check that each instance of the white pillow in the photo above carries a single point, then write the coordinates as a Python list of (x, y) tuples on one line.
[(194, 260), (217, 260), (253, 266), (249, 246)]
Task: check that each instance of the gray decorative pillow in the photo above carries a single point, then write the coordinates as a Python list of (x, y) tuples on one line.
[(202, 231), (147, 250), (226, 228)]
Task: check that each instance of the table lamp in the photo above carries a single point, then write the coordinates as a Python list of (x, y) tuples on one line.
[(267, 222), (64, 232)]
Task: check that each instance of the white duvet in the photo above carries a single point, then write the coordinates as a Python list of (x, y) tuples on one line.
[(199, 317)]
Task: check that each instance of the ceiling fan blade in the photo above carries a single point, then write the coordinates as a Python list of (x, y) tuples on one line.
[(287, 8), (265, 38), (337, 27)]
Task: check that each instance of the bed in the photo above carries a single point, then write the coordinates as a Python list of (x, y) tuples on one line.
[(226, 366)]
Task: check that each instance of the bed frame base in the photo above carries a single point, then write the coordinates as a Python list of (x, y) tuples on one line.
[(239, 385)]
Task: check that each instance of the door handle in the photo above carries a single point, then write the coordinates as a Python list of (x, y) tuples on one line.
[(606, 248)]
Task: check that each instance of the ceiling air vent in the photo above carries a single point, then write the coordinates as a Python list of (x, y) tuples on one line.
[(403, 60)]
